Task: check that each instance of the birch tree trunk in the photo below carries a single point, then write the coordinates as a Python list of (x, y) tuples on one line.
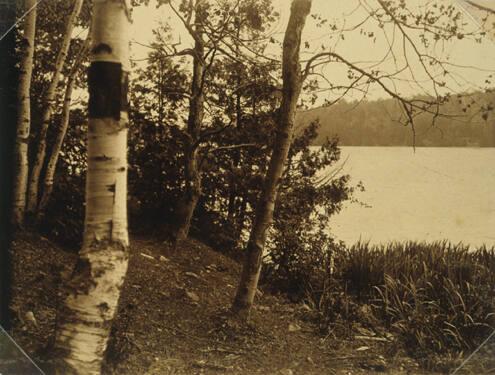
[(64, 123), (23, 116), (192, 172), (33, 189), (94, 289), (292, 83)]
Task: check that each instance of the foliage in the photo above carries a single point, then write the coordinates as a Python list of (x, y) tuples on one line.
[(155, 152), (65, 214), (50, 27), (64, 219), (468, 121), (436, 300), (311, 192)]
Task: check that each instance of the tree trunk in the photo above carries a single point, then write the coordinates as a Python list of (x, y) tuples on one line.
[(192, 173), (191, 196), (241, 219), (94, 289), (23, 116), (292, 82), (32, 198), (64, 123), (231, 208)]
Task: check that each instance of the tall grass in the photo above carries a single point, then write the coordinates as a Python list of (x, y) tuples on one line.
[(434, 298)]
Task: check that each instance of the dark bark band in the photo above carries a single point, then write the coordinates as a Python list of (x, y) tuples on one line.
[(108, 87)]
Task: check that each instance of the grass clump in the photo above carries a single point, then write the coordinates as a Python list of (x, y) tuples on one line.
[(436, 299)]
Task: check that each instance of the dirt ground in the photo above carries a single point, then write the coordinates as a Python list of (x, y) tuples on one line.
[(174, 318)]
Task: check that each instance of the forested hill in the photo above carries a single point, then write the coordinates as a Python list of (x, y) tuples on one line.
[(374, 123)]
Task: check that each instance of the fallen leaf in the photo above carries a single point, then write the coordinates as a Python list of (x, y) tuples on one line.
[(192, 274), (294, 327), (362, 348), (147, 256), (192, 296)]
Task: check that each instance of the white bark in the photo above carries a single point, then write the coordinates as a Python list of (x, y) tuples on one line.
[(94, 290), (64, 123), (23, 116), (32, 198)]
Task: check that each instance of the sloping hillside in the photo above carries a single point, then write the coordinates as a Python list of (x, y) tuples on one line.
[(174, 318)]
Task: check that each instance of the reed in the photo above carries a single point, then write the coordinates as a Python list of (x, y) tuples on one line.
[(436, 299)]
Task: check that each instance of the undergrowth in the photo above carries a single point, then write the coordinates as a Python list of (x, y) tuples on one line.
[(434, 299)]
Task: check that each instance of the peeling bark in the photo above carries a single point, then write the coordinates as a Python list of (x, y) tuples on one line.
[(64, 123), (192, 173), (23, 117), (85, 320), (292, 83), (33, 189)]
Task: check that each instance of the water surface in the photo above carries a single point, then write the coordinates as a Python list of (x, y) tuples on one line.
[(431, 194)]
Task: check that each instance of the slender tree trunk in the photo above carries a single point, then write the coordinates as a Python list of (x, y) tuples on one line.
[(33, 189), (232, 203), (161, 100), (191, 196), (292, 82), (237, 153), (23, 116), (192, 173), (64, 123), (241, 219), (85, 320)]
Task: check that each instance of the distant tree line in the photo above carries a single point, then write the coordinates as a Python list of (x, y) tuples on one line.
[(468, 122)]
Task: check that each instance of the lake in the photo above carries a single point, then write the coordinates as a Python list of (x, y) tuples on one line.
[(430, 194)]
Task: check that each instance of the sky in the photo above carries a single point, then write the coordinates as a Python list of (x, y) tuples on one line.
[(355, 47)]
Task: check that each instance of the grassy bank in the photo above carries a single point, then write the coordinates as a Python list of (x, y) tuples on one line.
[(435, 300)]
